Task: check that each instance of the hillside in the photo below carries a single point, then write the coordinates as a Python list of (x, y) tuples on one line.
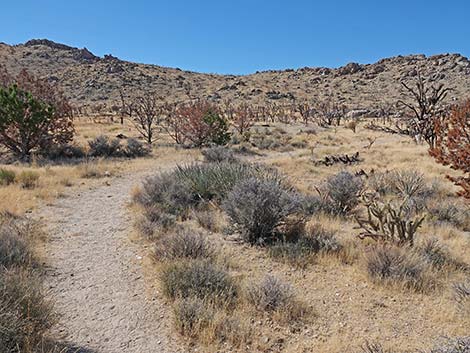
[(89, 80)]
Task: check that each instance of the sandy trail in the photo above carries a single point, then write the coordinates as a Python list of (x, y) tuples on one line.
[(95, 274)]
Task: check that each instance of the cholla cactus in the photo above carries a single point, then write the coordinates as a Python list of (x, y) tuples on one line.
[(386, 222)]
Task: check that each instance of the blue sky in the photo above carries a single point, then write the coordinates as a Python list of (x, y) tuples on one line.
[(244, 36)]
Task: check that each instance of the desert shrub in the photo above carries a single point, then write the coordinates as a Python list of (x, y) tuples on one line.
[(25, 314), (299, 250), (165, 192), (218, 154), (462, 297), (7, 177), (192, 316), (408, 183), (91, 170), (340, 193), (28, 179), (200, 279), (15, 246), (64, 151), (184, 243), (153, 222), (257, 207), (400, 266), (445, 212), (207, 219), (16, 240), (273, 295), (299, 144), (102, 146), (34, 116), (230, 329), (379, 183), (213, 181), (312, 204), (454, 345), (437, 255), (135, 148)]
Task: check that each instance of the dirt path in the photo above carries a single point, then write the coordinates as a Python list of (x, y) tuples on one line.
[(96, 276)]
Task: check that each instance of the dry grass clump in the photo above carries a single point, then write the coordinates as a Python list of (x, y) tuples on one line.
[(445, 212), (399, 266), (276, 297), (7, 177), (207, 219), (192, 316), (16, 241), (438, 256), (198, 278), (25, 314), (453, 345), (462, 297), (202, 321), (28, 179), (300, 251), (92, 170), (184, 243), (449, 345)]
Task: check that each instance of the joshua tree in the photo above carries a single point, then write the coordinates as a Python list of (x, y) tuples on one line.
[(425, 109)]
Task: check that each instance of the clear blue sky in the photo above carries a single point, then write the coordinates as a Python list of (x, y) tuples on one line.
[(242, 36)]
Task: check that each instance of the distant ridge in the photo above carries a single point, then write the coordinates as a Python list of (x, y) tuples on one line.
[(90, 80)]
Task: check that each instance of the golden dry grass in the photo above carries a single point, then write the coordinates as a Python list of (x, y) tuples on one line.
[(54, 180)]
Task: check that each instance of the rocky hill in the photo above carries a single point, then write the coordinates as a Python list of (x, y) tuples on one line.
[(89, 80)]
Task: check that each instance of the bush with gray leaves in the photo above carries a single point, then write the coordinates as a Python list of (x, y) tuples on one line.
[(258, 207)]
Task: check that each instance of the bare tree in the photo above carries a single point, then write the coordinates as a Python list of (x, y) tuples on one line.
[(427, 107), (329, 113), (305, 111), (173, 122), (243, 118), (144, 112)]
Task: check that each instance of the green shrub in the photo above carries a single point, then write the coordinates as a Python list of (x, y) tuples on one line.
[(198, 278), (7, 177), (217, 128), (64, 151)]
